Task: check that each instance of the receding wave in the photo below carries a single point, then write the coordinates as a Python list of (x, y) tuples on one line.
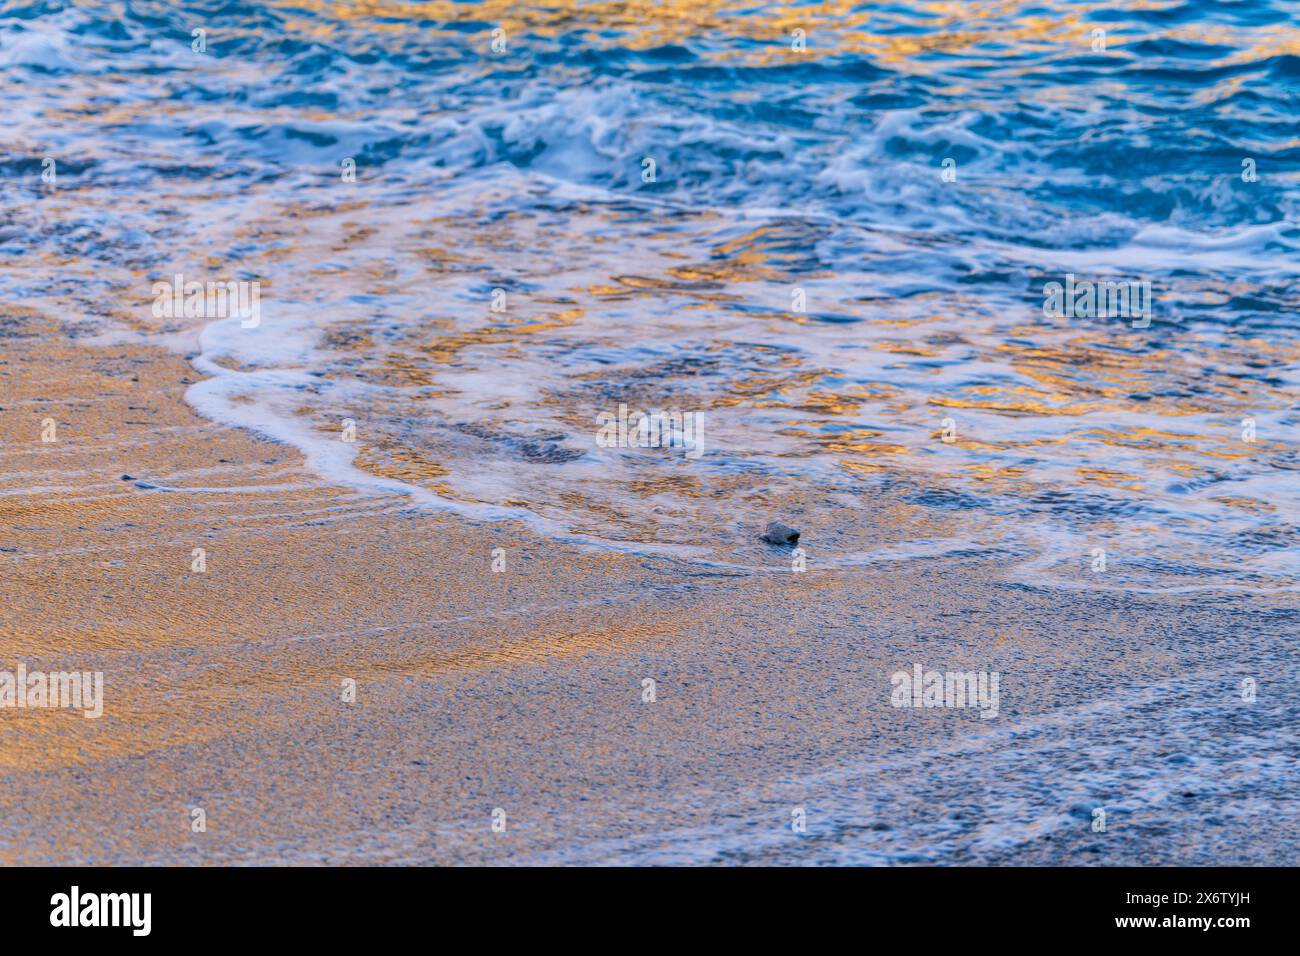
[(832, 260)]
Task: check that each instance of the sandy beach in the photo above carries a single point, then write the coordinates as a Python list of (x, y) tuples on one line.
[(522, 690)]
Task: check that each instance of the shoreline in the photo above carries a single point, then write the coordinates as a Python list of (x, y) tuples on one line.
[(476, 690)]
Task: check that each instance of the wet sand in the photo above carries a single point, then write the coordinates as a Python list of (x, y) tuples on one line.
[(522, 690)]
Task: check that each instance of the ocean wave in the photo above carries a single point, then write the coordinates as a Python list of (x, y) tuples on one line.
[(828, 253)]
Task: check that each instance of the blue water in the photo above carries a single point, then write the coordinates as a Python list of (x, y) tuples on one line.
[(1164, 152)]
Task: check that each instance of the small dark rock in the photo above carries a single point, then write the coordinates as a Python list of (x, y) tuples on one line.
[(127, 478), (778, 533)]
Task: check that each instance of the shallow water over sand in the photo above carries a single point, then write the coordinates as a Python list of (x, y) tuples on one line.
[(798, 271), (1098, 530)]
